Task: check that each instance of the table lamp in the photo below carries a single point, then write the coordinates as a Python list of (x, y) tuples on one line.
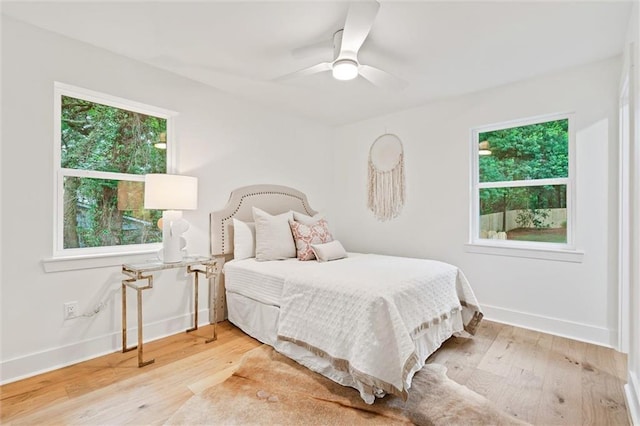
[(171, 193)]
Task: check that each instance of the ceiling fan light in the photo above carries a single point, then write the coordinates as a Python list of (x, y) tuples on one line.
[(345, 69)]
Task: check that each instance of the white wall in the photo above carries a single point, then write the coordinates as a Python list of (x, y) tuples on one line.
[(574, 299), (224, 141)]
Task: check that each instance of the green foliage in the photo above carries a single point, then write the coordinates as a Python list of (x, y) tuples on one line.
[(535, 151), (103, 138), (531, 152), (98, 137), (532, 218)]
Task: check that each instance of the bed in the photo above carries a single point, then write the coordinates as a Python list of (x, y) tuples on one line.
[(364, 320)]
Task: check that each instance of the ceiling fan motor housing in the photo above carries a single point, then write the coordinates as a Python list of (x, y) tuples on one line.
[(344, 67)]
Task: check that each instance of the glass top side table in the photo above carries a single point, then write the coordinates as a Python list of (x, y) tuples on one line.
[(144, 271)]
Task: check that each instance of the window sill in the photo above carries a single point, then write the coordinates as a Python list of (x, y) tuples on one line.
[(560, 255), (72, 263)]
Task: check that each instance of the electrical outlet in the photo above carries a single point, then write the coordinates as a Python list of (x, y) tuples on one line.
[(70, 310)]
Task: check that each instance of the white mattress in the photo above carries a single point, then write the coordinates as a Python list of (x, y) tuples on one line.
[(263, 281)]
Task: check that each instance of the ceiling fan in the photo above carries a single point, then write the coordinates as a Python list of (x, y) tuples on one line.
[(346, 44)]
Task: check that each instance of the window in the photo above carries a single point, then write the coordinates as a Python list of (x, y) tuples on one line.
[(103, 148), (523, 184)]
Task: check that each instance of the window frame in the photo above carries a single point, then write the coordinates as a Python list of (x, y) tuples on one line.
[(59, 173), (533, 249)]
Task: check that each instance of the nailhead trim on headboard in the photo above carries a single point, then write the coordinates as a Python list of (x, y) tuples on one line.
[(253, 194)]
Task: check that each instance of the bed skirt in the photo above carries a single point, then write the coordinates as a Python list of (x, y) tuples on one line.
[(260, 321)]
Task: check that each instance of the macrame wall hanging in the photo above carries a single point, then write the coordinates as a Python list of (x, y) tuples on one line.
[(386, 177)]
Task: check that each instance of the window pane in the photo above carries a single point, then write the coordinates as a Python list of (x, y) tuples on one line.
[(108, 139), (535, 151), (532, 213), (101, 212)]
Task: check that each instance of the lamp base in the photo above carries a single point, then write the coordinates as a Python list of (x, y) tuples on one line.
[(173, 244)]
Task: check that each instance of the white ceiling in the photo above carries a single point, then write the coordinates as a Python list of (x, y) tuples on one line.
[(441, 48)]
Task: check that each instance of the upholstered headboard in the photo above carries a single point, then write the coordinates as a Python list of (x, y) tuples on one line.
[(274, 199)]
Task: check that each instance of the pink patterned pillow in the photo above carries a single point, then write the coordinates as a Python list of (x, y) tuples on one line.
[(305, 235)]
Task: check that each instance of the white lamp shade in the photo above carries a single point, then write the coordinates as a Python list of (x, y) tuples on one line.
[(170, 192)]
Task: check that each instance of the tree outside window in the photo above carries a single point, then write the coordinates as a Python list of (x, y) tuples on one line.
[(522, 182), (104, 152)]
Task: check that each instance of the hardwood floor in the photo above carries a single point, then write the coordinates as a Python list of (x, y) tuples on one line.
[(537, 377), (112, 389)]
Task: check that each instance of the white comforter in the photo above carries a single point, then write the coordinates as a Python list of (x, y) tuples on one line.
[(364, 313)]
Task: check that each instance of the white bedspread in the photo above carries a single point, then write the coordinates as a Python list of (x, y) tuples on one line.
[(364, 312)]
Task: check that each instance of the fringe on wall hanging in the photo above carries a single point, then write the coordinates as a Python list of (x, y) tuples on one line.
[(386, 177)]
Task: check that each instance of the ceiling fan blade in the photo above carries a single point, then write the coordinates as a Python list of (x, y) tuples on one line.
[(381, 78), (359, 21), (321, 67), (314, 49)]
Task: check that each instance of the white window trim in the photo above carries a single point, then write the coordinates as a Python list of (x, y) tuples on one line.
[(535, 250), (91, 261), (69, 259)]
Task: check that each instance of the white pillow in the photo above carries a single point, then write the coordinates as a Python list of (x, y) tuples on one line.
[(307, 220), (274, 240), (244, 239), (329, 251)]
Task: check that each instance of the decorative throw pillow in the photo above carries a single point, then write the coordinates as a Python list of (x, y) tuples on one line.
[(305, 235), (330, 251), (244, 239), (307, 220), (273, 236)]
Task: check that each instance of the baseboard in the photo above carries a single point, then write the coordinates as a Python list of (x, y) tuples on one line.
[(632, 396), (52, 359), (573, 330)]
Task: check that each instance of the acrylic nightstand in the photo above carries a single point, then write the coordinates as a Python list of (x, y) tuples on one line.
[(144, 271)]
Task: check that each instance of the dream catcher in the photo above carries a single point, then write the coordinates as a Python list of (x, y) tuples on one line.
[(386, 177)]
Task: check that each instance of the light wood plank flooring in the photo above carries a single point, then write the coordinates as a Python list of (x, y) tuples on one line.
[(539, 378)]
